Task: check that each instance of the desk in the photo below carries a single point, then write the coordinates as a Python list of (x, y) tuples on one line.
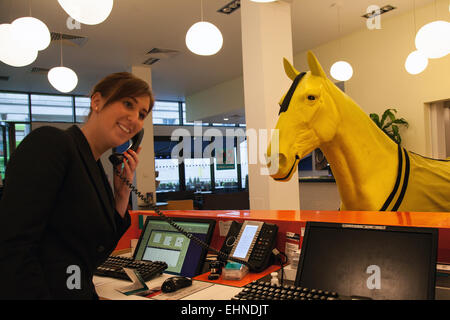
[(211, 290), (106, 289), (295, 220)]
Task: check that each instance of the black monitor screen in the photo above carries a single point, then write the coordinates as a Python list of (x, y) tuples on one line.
[(377, 262), (160, 241)]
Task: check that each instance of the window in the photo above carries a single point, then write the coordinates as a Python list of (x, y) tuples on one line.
[(224, 125), (244, 164), (51, 108), (11, 135), (82, 108), (225, 173), (14, 107), (21, 130), (198, 174), (4, 154), (185, 122), (165, 112), (168, 176)]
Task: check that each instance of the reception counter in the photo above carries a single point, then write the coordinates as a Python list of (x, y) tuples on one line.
[(295, 221)]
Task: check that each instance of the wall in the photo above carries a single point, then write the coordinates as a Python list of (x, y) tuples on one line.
[(225, 97), (380, 80), (319, 196)]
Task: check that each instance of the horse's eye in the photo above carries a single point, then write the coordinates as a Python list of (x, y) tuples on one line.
[(312, 98)]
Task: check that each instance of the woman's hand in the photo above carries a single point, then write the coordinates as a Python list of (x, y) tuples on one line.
[(127, 169)]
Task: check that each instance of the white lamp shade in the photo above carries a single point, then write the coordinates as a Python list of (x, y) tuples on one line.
[(62, 79), (263, 0), (11, 51), (416, 62), (341, 71), (433, 39), (204, 38), (31, 32), (88, 11)]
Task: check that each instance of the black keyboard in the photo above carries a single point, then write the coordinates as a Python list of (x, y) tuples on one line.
[(257, 290), (112, 268)]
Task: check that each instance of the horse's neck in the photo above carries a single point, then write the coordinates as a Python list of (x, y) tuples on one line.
[(363, 160)]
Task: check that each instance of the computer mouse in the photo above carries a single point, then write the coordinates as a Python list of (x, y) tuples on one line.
[(173, 284)]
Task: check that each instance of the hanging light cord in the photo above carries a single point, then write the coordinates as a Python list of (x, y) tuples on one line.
[(60, 45), (414, 15), (201, 10), (339, 27)]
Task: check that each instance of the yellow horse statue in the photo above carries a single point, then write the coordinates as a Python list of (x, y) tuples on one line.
[(372, 172)]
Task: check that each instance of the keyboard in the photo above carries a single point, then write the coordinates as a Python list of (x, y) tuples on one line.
[(112, 268), (257, 290)]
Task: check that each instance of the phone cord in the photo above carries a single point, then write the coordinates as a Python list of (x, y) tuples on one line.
[(190, 236)]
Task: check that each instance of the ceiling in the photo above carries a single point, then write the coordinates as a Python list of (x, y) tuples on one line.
[(136, 26)]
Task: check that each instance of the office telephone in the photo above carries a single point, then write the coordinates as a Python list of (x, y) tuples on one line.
[(251, 241), (117, 157), (254, 229)]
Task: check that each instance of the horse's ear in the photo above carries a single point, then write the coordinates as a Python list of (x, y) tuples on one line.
[(314, 66), (290, 70)]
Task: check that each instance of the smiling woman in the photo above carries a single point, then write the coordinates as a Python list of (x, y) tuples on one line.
[(122, 85), (70, 217)]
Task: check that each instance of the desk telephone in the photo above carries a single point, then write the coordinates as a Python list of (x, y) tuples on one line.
[(254, 241), (251, 241)]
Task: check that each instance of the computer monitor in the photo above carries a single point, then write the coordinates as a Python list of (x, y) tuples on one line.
[(159, 241), (376, 262)]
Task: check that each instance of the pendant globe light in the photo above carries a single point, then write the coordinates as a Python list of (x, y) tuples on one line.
[(417, 61), (22, 39), (31, 32), (204, 38), (88, 11), (62, 78), (341, 70), (12, 51), (433, 39)]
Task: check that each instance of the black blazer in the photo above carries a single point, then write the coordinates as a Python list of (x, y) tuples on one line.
[(57, 214)]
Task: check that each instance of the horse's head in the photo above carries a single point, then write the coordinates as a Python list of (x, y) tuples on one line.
[(308, 117)]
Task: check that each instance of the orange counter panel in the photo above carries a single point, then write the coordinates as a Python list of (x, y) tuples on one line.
[(293, 221)]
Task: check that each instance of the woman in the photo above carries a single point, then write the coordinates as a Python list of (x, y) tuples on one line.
[(60, 218)]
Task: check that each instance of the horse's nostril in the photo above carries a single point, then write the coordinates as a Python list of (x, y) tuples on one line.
[(282, 159)]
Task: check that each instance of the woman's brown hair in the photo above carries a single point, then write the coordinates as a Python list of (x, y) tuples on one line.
[(120, 85)]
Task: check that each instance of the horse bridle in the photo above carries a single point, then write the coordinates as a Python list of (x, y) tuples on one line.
[(287, 99)]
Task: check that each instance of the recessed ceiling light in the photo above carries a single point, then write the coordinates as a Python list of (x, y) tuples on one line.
[(226, 119), (230, 7), (383, 9)]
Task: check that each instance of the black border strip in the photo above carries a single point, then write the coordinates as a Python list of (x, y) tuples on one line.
[(290, 171), (287, 99), (397, 182), (405, 183)]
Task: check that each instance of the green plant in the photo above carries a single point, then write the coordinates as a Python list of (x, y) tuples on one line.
[(389, 124)]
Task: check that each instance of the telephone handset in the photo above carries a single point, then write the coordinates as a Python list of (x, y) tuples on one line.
[(251, 241), (117, 158)]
